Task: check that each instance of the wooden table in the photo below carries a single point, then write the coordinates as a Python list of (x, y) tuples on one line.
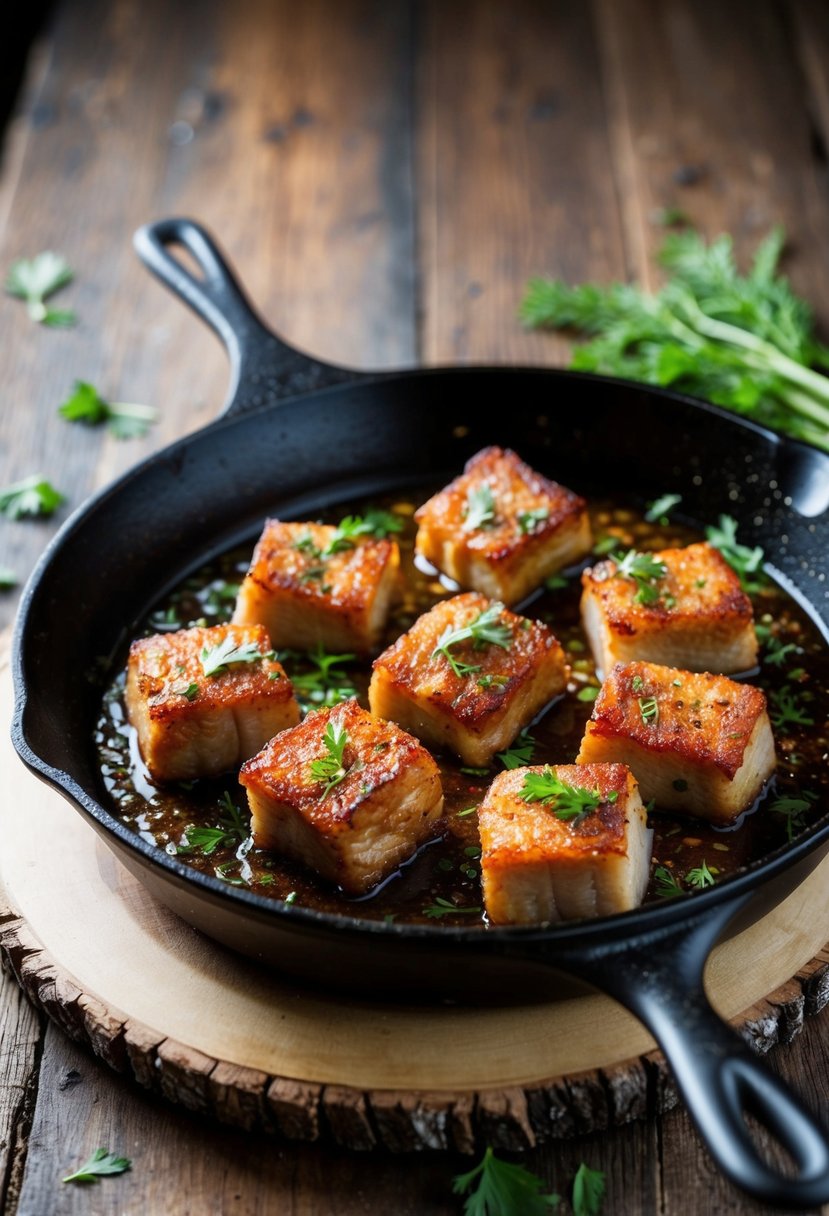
[(385, 175)]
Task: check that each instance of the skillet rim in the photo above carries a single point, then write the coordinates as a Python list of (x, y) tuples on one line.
[(656, 916)]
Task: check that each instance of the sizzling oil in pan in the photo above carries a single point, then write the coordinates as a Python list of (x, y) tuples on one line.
[(442, 882)]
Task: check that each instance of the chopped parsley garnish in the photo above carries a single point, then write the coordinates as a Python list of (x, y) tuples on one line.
[(637, 683), (556, 582), (125, 419), (659, 510), (444, 907), (216, 659), (99, 1164), (498, 1188), (190, 691), (494, 681), (588, 693), (479, 511), (794, 809), (565, 801), (605, 545), (483, 630), (231, 830), (520, 753), (35, 280), (741, 559), (32, 496), (777, 652), (327, 684), (701, 876), (307, 544), (787, 709), (645, 570), (667, 885), (528, 521), (469, 810), (649, 709), (331, 768), (378, 524)]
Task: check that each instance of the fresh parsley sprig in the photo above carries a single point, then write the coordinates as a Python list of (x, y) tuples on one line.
[(326, 683), (702, 876), (787, 709), (376, 523), (745, 342), (126, 420), (215, 660), (659, 510), (528, 521), (588, 1191), (486, 629), (520, 753), (794, 809), (231, 830), (444, 907), (645, 570), (99, 1164), (35, 280), (566, 801), (743, 560), (498, 1188), (668, 885), (32, 496), (479, 511), (331, 768)]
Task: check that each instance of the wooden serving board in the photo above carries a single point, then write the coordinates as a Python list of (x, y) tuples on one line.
[(218, 1034)]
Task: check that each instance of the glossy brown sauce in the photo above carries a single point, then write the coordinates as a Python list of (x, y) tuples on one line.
[(444, 876)]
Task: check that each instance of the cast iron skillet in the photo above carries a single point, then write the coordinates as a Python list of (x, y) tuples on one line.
[(298, 435)]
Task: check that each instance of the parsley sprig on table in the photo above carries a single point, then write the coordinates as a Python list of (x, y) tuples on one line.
[(125, 419), (499, 1188), (35, 280), (32, 496), (99, 1164), (486, 629), (564, 800), (745, 342)]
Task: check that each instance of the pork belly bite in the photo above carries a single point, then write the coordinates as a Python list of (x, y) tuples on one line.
[(501, 528), (204, 700), (697, 743), (467, 676), (309, 585), (680, 607), (346, 794), (563, 842)]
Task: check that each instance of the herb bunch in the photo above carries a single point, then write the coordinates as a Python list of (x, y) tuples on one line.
[(745, 342)]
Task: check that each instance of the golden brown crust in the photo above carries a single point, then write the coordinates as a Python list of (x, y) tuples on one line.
[(412, 668), (517, 832), (702, 718), (162, 668), (502, 557), (376, 754)]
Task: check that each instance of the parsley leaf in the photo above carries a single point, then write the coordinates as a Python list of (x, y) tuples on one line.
[(100, 1163), (787, 710), (645, 570), (232, 830), (326, 684), (216, 659), (520, 753), (331, 768), (502, 1189), (588, 1191), (740, 558), (33, 496), (659, 510), (480, 507), (374, 523), (745, 342), (444, 907), (667, 885), (702, 876), (777, 652), (126, 420), (483, 630), (565, 801), (528, 521), (35, 280), (794, 809), (8, 579)]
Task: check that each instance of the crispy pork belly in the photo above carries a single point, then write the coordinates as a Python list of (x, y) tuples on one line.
[(306, 595), (537, 867), (384, 800), (501, 528), (700, 618), (697, 743), (192, 724), (477, 702)]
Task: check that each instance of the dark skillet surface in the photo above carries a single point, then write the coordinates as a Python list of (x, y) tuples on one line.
[(113, 559)]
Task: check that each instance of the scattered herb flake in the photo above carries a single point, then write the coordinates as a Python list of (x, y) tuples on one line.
[(8, 579), (667, 885), (588, 693), (444, 907), (520, 753), (215, 660), (701, 876), (126, 419), (32, 496), (528, 521), (645, 570), (649, 709), (659, 510), (483, 630), (794, 808), (741, 559), (479, 511), (99, 1164), (35, 280)]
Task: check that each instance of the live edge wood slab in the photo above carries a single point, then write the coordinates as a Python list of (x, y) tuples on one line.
[(223, 1037)]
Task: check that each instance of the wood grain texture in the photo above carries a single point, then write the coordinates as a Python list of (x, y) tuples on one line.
[(20, 1047)]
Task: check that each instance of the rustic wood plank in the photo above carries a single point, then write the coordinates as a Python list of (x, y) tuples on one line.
[(286, 129), (708, 113), (513, 176), (20, 1043)]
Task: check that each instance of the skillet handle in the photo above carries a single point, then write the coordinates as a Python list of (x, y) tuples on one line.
[(659, 979), (263, 368)]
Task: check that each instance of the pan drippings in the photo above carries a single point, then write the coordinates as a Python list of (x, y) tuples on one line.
[(441, 883)]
